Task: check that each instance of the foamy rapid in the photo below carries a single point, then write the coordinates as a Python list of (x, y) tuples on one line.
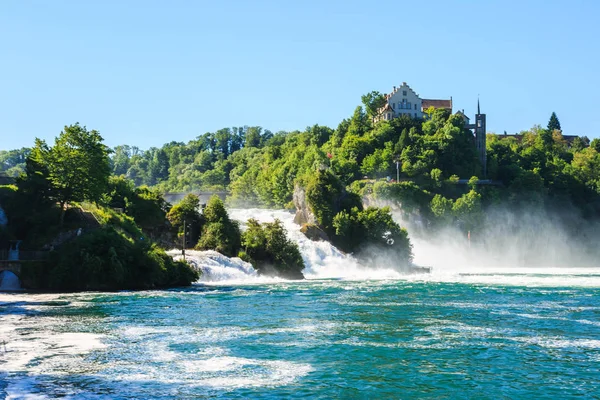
[(322, 259), (450, 262), (459, 263), (216, 267)]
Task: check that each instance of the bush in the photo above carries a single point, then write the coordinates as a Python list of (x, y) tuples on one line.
[(372, 231), (106, 260), (327, 197), (219, 232), (187, 211), (270, 251)]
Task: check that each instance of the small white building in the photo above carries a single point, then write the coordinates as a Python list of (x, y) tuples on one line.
[(405, 101)]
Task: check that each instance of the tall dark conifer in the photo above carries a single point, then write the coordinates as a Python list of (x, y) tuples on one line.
[(554, 123)]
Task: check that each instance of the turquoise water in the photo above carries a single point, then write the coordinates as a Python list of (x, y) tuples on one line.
[(501, 334)]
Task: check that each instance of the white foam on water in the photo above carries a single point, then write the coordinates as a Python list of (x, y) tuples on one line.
[(459, 264), (322, 260), (235, 372), (215, 266), (559, 343), (450, 263)]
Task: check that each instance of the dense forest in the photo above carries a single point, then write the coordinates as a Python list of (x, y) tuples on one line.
[(343, 173), (259, 167)]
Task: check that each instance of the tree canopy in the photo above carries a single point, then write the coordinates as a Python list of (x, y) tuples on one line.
[(77, 166), (553, 123)]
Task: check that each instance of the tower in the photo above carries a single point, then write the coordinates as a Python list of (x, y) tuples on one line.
[(480, 139)]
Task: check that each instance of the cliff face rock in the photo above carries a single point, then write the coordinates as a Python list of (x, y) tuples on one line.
[(303, 213), (314, 233)]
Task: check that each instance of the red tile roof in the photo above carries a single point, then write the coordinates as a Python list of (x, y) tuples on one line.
[(426, 103)]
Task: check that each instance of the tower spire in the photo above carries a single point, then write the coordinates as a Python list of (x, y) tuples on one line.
[(478, 110)]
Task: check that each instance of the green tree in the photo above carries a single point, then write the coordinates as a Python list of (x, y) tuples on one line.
[(326, 197), (554, 123), (441, 207), (219, 232), (468, 210), (77, 165), (120, 160), (253, 136), (373, 101), (579, 143), (372, 233), (270, 251), (187, 211)]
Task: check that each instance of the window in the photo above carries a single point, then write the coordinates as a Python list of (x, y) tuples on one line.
[(408, 106), (415, 114), (415, 106), (479, 123), (394, 106), (404, 93)]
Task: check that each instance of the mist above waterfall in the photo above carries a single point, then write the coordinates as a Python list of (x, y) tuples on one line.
[(523, 237), (514, 247)]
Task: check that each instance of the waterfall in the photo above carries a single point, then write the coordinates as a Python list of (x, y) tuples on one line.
[(321, 259), (9, 282), (216, 267)]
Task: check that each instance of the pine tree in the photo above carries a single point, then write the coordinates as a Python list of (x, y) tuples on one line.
[(554, 123)]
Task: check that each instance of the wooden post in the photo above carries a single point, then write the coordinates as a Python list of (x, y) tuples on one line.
[(183, 241)]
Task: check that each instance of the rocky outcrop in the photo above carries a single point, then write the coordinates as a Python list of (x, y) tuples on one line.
[(314, 232), (304, 215)]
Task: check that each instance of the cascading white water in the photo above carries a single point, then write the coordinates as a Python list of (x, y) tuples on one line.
[(9, 282), (451, 262), (322, 259), (216, 267)]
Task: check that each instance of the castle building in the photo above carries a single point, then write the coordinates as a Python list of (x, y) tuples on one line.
[(405, 101)]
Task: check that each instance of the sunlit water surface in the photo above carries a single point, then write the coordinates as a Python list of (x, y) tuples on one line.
[(324, 338), (349, 331)]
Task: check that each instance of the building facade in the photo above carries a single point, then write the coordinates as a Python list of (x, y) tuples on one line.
[(403, 100)]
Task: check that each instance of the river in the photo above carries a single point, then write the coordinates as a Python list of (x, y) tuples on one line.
[(464, 331)]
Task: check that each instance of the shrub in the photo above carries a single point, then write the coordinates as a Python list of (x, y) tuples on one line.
[(187, 211), (270, 251), (106, 260), (219, 232), (372, 231), (327, 197)]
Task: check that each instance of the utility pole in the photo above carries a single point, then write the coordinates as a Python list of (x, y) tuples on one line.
[(397, 161), (183, 241)]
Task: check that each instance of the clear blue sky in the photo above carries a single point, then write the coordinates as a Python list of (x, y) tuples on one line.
[(149, 72)]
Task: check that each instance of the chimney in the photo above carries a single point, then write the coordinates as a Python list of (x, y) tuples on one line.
[(394, 88)]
